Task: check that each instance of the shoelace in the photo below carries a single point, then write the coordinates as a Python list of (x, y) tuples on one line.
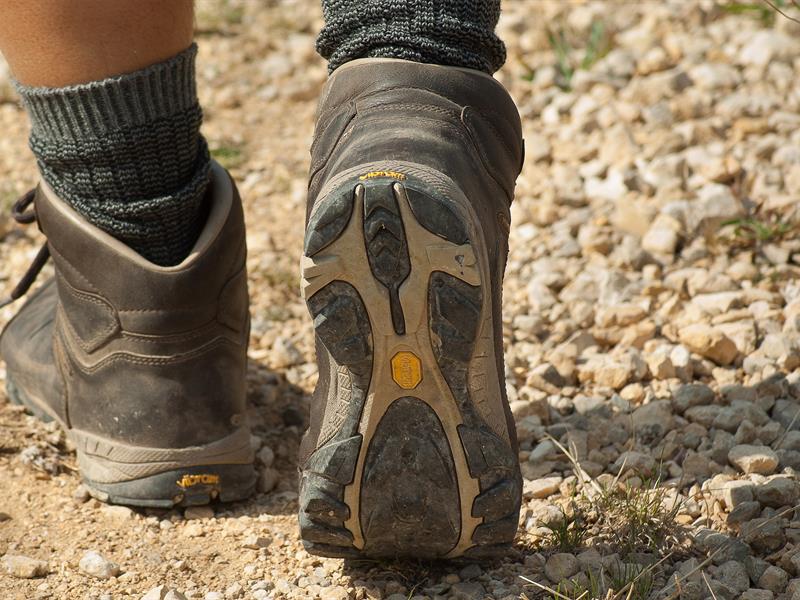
[(24, 215)]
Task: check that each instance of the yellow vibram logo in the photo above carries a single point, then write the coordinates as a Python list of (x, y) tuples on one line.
[(406, 370), (374, 174), (192, 480)]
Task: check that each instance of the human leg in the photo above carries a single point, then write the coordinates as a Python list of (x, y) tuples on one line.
[(137, 347), (110, 91), (458, 33)]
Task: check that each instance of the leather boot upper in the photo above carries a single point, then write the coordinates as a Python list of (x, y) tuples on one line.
[(126, 350), (460, 120)]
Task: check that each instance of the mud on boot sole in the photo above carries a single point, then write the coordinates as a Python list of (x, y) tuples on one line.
[(414, 458), (156, 477)]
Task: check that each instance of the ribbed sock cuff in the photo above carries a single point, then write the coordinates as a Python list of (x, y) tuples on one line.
[(457, 33), (130, 100), (126, 153)]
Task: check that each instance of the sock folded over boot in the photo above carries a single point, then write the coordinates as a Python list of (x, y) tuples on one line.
[(458, 33), (126, 153)]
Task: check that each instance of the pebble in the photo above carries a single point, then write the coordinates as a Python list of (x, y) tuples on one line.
[(266, 456), (663, 236), (285, 353), (162, 592), (542, 488), (636, 462), (96, 565), (471, 571), (561, 566), (764, 535), (734, 574), (778, 492), (710, 343), (254, 542), (267, 479), (467, 590), (81, 494), (24, 567), (715, 203), (653, 419), (682, 362), (334, 593), (198, 512), (721, 546), (753, 459), (743, 513), (695, 394), (157, 593), (737, 492), (765, 46), (774, 579), (117, 513)]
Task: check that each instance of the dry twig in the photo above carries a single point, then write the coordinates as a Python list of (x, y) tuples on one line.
[(778, 10)]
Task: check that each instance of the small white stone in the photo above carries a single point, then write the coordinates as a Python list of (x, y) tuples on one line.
[(663, 236), (753, 459), (254, 542), (267, 480), (334, 593), (659, 364), (266, 456), (714, 76), (157, 593), (709, 342), (233, 590), (117, 513), (542, 488), (24, 567), (767, 45), (98, 566)]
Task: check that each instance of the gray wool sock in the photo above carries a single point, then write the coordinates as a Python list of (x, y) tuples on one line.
[(127, 154), (458, 33)]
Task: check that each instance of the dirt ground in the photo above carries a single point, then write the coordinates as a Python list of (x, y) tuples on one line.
[(652, 311)]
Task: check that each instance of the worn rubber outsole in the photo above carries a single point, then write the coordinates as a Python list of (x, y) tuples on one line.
[(414, 457), (164, 485)]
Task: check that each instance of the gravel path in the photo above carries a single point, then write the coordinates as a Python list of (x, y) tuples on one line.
[(652, 313)]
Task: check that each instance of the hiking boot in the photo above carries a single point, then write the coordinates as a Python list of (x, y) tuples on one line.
[(143, 366), (411, 449)]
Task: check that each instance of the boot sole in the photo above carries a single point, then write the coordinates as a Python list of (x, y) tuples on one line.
[(414, 457), (155, 477)]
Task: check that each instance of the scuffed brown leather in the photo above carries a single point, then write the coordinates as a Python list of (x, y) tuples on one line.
[(140, 354)]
